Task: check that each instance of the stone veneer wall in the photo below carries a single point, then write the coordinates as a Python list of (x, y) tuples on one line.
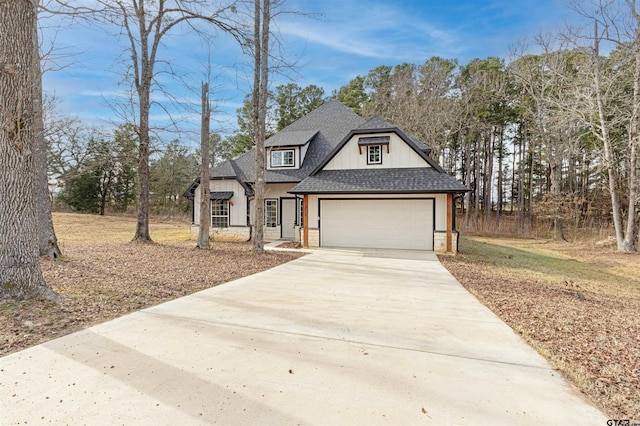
[(314, 237), (232, 233), (271, 234), (440, 241)]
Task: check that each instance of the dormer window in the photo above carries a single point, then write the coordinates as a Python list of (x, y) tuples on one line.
[(374, 154), (373, 147), (283, 158)]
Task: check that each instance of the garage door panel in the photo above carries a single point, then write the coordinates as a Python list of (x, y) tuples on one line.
[(396, 224)]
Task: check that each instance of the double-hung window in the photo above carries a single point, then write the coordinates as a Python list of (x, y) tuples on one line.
[(374, 154), (271, 213), (283, 158), (219, 213)]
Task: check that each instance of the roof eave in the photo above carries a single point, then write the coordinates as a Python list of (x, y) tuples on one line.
[(189, 194), (399, 192)]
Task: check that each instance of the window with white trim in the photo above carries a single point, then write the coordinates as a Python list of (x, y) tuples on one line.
[(283, 158), (219, 213), (271, 213), (374, 154)]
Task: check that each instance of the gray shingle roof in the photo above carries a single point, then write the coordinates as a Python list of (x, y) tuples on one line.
[(376, 122), (223, 170), (221, 195), (394, 181), (329, 122), (373, 140), (325, 129), (291, 138)]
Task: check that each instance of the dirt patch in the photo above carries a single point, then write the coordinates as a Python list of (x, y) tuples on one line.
[(585, 321), (101, 280)]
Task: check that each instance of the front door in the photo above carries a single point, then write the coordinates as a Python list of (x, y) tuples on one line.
[(288, 220)]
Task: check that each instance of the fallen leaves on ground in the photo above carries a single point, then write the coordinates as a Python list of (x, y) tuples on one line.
[(103, 280)]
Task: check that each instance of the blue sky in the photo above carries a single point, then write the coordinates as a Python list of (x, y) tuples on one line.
[(337, 41)]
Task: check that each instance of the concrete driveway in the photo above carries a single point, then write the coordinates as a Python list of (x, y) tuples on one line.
[(336, 337)]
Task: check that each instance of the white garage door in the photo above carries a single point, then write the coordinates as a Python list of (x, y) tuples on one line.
[(394, 224)]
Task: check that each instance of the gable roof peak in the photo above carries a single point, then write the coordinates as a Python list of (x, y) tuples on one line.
[(324, 114), (321, 130), (376, 122)]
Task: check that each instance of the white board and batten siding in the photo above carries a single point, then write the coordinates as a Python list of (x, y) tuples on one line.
[(238, 203), (400, 155), (275, 191)]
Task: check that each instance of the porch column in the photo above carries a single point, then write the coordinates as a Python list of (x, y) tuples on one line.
[(305, 220), (450, 214)]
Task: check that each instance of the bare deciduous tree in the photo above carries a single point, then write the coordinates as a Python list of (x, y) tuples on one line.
[(205, 212), (146, 24), (262, 21), (20, 273), (47, 240), (618, 23)]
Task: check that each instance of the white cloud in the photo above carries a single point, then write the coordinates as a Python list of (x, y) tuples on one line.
[(379, 31)]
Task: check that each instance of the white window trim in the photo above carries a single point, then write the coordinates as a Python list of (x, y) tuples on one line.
[(220, 215), (266, 211), (282, 155), (369, 147)]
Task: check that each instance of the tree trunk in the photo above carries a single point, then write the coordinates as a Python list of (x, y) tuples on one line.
[(467, 176), (532, 154), (47, 241), (521, 178), (608, 149), (476, 180), (105, 186), (142, 225), (20, 273), (556, 181), (487, 180), (144, 78), (262, 21), (500, 191), (205, 213), (628, 244), (514, 165)]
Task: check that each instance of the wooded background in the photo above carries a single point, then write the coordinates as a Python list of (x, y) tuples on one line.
[(546, 141)]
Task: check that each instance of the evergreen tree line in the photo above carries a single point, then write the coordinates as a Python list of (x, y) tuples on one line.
[(547, 142), (528, 137), (523, 136)]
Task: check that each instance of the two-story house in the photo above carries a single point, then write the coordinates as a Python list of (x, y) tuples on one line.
[(334, 179)]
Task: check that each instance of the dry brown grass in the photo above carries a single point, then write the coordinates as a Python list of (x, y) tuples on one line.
[(103, 275), (577, 304)]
